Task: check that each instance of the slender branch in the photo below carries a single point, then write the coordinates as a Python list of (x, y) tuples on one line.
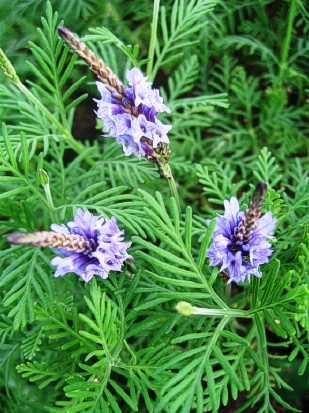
[(153, 38), (287, 41)]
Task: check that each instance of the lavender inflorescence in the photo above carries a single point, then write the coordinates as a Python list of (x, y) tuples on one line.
[(240, 240), (128, 113), (93, 247)]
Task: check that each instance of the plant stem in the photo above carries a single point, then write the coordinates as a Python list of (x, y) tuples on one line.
[(174, 192), (50, 203), (228, 293), (153, 37), (211, 312), (187, 309), (286, 44), (166, 171)]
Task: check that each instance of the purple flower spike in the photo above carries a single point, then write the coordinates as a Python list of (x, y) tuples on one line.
[(240, 239), (106, 250), (91, 247), (128, 113), (133, 132)]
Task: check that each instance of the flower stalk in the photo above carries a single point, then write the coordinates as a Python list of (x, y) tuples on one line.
[(187, 309), (154, 26), (44, 178)]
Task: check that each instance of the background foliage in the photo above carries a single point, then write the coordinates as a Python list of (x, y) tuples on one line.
[(235, 75)]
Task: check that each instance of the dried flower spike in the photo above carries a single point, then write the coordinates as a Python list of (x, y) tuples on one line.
[(253, 213), (69, 242), (99, 68), (92, 247), (239, 241)]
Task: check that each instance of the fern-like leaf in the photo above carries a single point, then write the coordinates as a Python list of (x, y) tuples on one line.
[(31, 286), (185, 17)]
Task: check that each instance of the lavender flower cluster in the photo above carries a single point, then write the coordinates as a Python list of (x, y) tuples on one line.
[(91, 247), (106, 250), (241, 251), (133, 132)]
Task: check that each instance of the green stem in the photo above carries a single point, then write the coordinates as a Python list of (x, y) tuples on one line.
[(211, 312), (228, 293), (174, 192), (287, 42), (50, 203), (166, 171), (153, 37), (76, 146)]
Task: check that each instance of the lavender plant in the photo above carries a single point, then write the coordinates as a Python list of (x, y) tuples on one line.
[(157, 262)]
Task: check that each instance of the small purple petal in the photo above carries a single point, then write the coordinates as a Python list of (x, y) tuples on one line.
[(265, 225), (160, 133), (60, 229), (129, 146)]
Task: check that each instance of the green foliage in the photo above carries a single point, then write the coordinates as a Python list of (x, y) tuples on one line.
[(236, 78), (177, 34), (20, 298)]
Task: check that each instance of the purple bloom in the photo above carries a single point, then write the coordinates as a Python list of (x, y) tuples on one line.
[(241, 248), (132, 131), (104, 250)]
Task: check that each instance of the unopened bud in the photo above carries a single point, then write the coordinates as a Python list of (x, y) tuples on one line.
[(44, 178), (185, 308)]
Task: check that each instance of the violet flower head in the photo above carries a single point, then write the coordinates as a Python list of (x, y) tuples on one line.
[(91, 246), (131, 117), (129, 114), (240, 239)]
